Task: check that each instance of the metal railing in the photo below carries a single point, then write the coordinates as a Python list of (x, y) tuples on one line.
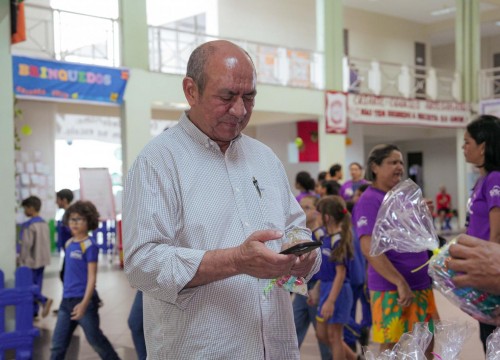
[(170, 50), (69, 36), (489, 84), (390, 79)]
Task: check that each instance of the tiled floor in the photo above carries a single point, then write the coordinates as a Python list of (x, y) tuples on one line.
[(117, 297)]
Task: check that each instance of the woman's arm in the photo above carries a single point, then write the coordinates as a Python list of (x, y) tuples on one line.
[(494, 216), (384, 267), (81, 307)]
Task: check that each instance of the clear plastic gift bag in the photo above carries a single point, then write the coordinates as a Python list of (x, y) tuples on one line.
[(449, 337), (404, 224), (289, 283), (411, 346), (493, 345)]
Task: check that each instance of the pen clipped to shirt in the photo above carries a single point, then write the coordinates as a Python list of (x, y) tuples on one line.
[(256, 184)]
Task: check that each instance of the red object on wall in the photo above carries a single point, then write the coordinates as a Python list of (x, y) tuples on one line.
[(20, 24), (308, 132)]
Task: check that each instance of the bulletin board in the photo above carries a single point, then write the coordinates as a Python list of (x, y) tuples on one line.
[(95, 186)]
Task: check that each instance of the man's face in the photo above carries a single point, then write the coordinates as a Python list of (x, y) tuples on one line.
[(224, 108)]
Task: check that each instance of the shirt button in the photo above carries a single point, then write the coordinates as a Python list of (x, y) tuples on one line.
[(207, 145), (263, 297), (237, 189), (247, 224)]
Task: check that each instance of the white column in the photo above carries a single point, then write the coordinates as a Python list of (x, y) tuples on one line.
[(7, 168), (329, 13), (462, 190), (136, 109)]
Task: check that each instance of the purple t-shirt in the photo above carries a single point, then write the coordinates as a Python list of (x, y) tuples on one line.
[(364, 217), (304, 194), (485, 196), (348, 189)]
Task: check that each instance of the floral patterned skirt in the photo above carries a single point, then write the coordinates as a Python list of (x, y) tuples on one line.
[(390, 320)]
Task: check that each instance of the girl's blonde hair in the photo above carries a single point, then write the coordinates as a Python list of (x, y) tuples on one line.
[(334, 206)]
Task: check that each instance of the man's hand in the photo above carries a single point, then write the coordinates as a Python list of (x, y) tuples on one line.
[(78, 311), (255, 259), (476, 262), (303, 264)]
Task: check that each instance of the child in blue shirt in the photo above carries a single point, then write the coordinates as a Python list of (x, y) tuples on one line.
[(79, 305), (335, 294)]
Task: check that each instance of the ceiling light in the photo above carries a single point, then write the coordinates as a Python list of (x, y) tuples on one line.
[(497, 23), (444, 11)]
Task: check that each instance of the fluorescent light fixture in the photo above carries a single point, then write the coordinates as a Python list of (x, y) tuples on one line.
[(444, 11), (497, 23)]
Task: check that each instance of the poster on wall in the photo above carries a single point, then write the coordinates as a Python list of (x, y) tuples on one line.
[(95, 186), (335, 112), (41, 78)]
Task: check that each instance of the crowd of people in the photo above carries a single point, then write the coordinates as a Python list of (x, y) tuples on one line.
[(201, 253)]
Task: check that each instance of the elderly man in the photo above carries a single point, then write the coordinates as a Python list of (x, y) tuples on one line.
[(206, 212)]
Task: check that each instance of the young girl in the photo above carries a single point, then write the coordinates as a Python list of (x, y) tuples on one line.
[(80, 304), (335, 292)]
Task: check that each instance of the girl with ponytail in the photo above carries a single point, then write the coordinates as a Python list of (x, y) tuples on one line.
[(334, 287)]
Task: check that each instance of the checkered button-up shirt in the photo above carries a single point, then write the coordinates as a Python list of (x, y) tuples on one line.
[(182, 197)]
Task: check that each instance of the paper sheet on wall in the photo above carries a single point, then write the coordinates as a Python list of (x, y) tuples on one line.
[(95, 186)]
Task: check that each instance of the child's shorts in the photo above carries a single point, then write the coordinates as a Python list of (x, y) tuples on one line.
[(343, 304)]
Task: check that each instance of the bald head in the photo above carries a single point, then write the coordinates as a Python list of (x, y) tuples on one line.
[(203, 54)]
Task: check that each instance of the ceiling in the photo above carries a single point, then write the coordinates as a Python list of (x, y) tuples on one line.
[(438, 15), (421, 11)]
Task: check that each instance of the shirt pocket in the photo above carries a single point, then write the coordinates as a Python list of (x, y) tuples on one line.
[(271, 205)]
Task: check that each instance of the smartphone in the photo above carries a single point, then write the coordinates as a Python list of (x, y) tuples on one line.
[(302, 248)]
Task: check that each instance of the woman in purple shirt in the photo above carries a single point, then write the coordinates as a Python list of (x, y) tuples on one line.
[(399, 297), (482, 149), (348, 189)]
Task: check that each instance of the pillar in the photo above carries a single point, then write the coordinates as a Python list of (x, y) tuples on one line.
[(330, 36)]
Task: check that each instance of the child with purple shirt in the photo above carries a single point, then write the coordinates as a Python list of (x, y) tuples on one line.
[(399, 297), (482, 149)]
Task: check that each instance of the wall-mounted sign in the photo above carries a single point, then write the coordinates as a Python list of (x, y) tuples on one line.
[(49, 79), (336, 113), (384, 110)]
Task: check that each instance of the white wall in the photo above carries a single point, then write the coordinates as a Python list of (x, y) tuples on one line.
[(374, 36), (289, 23), (39, 116), (277, 137)]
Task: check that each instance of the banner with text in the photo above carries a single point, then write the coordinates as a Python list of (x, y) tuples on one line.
[(37, 78), (381, 110)]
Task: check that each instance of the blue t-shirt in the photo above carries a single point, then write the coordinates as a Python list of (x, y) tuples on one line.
[(328, 271), (357, 266), (63, 234), (78, 255)]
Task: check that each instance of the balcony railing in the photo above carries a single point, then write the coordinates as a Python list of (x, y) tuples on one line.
[(70, 36), (489, 84), (170, 50), (390, 79)]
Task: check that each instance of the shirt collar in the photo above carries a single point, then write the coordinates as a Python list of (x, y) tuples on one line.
[(198, 135)]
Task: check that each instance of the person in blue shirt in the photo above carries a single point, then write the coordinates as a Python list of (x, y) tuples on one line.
[(335, 294), (305, 308), (80, 304)]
